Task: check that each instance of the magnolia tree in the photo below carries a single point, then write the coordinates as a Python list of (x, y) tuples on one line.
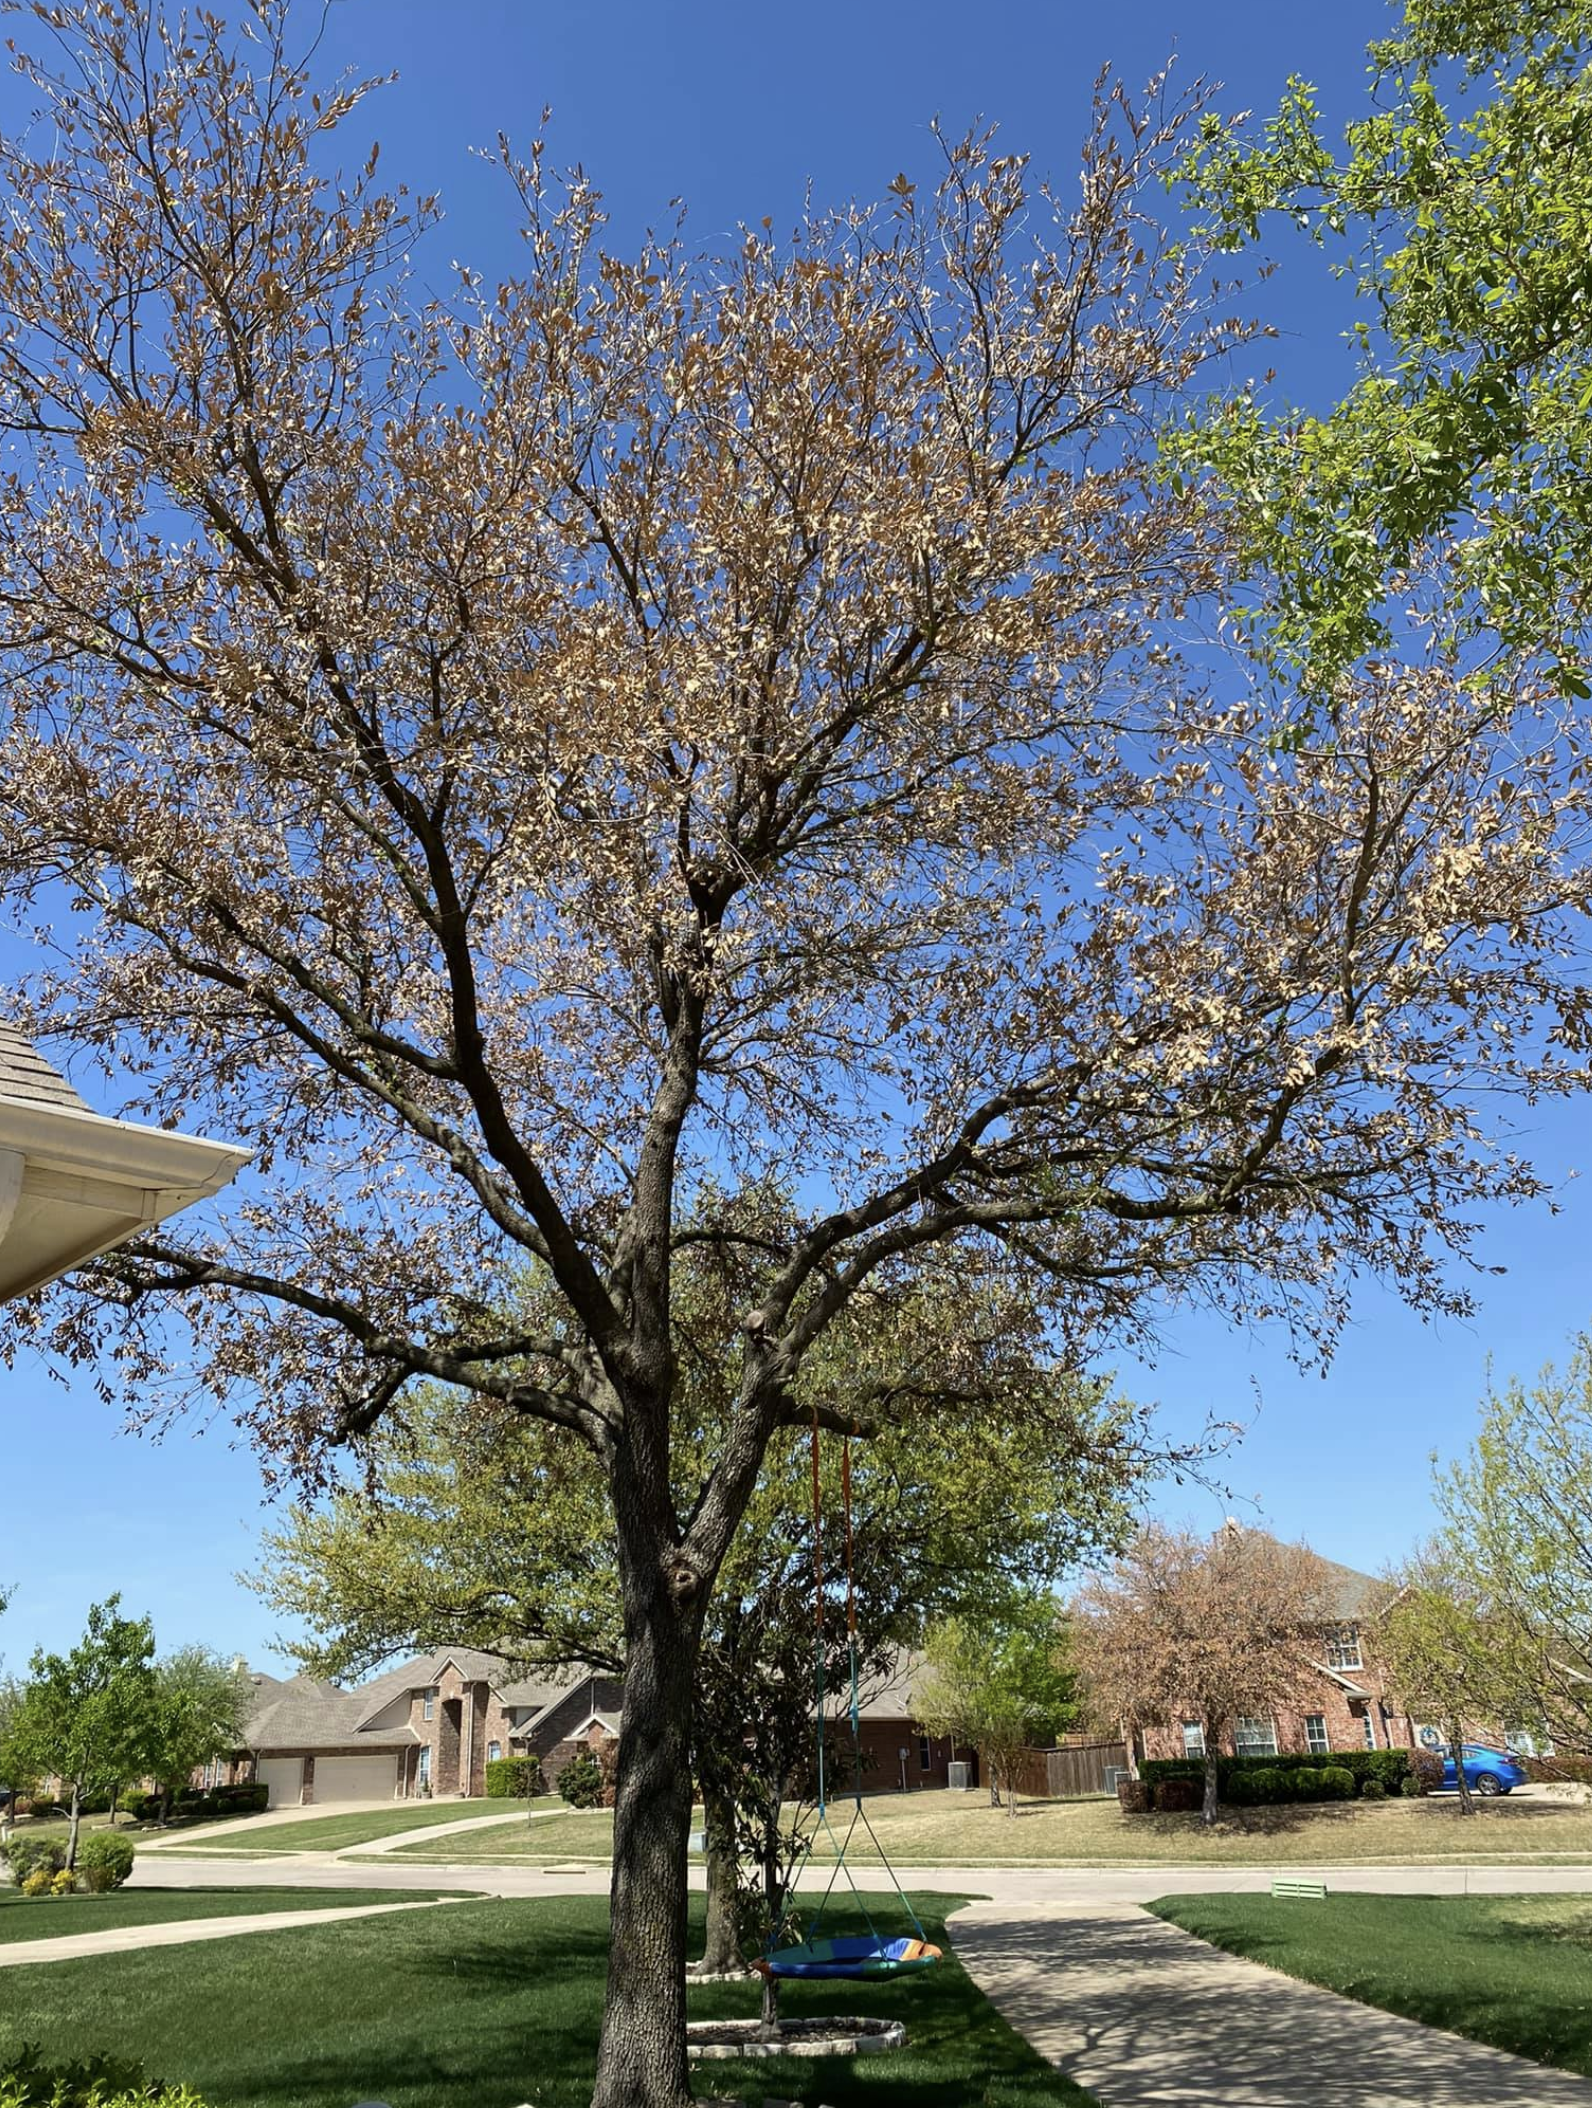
[(542, 762), (1206, 1629)]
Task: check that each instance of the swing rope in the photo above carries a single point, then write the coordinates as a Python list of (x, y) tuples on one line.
[(859, 1814)]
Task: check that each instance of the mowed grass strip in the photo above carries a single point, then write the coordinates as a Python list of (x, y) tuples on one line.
[(482, 2005), (1509, 1970), (962, 1829), (63, 1917), (335, 1833)]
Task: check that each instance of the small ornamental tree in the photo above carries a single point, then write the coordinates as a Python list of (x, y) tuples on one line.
[(540, 762), (198, 1707), (84, 1715), (1434, 1635), (1516, 1515), (1206, 1629), (1004, 1685)]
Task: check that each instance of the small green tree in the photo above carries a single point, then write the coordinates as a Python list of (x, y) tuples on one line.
[(1002, 1686), (197, 1709), (84, 1715), (1436, 1638)]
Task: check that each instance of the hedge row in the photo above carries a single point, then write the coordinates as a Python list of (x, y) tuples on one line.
[(1388, 1766), (192, 1806)]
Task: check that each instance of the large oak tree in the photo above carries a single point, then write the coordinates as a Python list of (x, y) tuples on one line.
[(541, 762)]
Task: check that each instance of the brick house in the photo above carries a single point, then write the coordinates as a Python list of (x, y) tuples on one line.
[(431, 1725), (428, 1727), (1350, 1703)]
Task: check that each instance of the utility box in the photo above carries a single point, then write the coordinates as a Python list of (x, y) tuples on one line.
[(956, 1777)]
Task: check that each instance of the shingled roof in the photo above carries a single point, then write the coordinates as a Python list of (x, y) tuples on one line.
[(28, 1078)]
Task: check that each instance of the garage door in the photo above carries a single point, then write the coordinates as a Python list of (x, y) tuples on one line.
[(283, 1779), (355, 1779)]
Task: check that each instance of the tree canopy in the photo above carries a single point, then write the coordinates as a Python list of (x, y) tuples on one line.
[(549, 764), (1203, 1629), (1460, 210), (1002, 1683), (83, 1715)]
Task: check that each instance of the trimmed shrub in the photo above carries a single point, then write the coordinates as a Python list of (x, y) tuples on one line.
[(1372, 1789), (41, 1882), (27, 1855), (608, 1765), (1179, 1796), (26, 2083), (581, 1781), (63, 1883), (1557, 1771), (105, 1859), (1426, 1768), (513, 1778), (1411, 1787), (1133, 1797), (1337, 1783), (248, 1797)]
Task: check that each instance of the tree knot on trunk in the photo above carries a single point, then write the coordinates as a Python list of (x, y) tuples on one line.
[(681, 1577)]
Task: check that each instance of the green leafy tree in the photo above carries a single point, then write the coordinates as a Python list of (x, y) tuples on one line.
[(1435, 1635), (197, 1708), (1004, 1685), (84, 1715), (1459, 207), (1517, 1529), (469, 1532)]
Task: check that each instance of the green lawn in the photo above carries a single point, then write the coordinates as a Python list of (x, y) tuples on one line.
[(55, 1917), (481, 2005), (334, 1833), (1509, 1970), (961, 1829)]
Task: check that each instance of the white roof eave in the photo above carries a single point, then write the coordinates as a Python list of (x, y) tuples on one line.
[(74, 1184)]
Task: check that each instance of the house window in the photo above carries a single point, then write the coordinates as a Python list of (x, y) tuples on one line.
[(494, 1751), (1254, 1737), (1370, 1729), (925, 1754), (1343, 1647), (1193, 1739), (428, 1703), (1317, 1741), (423, 1776)]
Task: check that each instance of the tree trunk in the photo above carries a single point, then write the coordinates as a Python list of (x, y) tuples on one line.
[(1212, 1782), (1456, 1743), (1011, 1791), (721, 1952), (75, 1818), (641, 2060), (768, 2018)]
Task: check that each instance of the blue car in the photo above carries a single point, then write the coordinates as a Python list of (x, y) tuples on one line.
[(1486, 1770)]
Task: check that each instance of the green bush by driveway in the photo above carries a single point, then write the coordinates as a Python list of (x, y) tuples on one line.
[(1509, 1970)]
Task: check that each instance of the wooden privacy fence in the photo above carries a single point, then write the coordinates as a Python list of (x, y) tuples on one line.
[(1078, 1767)]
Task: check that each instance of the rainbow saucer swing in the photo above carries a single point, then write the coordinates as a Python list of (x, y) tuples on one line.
[(874, 1954)]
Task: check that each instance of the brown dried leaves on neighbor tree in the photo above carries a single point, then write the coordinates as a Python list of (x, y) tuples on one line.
[(1209, 1629)]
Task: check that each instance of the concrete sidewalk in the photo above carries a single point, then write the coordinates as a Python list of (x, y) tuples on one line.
[(129, 1939), (1143, 2015)]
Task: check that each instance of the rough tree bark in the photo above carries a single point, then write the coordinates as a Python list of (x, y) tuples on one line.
[(1456, 1742), (75, 1817), (641, 2061), (1208, 1809), (721, 1951)]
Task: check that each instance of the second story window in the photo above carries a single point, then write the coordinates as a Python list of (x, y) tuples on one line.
[(1343, 1647), (428, 1703)]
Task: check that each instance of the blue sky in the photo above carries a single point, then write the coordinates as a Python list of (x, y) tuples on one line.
[(736, 109)]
